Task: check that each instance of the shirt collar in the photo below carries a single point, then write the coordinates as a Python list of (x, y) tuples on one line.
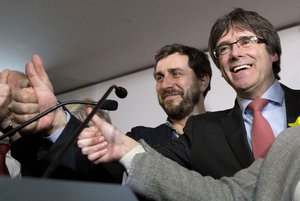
[(174, 131), (275, 94)]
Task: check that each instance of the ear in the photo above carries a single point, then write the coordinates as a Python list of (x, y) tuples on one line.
[(275, 57), (204, 82)]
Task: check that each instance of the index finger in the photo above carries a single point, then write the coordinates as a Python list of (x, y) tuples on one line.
[(4, 76)]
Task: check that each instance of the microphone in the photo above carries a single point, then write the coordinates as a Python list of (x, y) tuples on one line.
[(110, 105), (120, 92), (107, 105)]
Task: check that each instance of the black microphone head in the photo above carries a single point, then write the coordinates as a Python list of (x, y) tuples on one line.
[(121, 92), (110, 105)]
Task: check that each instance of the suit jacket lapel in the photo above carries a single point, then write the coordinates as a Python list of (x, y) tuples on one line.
[(292, 104), (235, 131), (236, 136)]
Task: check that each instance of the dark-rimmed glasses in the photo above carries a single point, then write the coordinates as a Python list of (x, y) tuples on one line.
[(244, 42)]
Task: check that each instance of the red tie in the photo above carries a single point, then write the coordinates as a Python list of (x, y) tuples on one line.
[(3, 150), (262, 133)]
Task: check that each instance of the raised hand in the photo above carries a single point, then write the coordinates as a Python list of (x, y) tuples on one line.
[(30, 101), (104, 142), (4, 94)]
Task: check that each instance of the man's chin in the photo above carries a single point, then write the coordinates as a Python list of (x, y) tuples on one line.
[(173, 98), (171, 105), (172, 102), (170, 109)]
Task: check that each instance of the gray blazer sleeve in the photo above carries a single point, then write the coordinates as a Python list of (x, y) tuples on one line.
[(280, 172), (160, 178), (274, 178)]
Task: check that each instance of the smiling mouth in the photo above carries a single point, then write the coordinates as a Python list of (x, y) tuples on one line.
[(173, 94), (239, 68)]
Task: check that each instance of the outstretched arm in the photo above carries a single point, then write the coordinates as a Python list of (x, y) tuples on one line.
[(154, 176), (104, 142)]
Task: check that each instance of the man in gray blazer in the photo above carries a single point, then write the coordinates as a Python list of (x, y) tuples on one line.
[(273, 179), (159, 178)]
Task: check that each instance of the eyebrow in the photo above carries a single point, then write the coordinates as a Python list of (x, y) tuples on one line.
[(170, 70), (226, 42), (157, 73)]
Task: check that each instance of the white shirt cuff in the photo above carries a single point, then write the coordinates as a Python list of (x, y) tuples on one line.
[(127, 159), (297, 192)]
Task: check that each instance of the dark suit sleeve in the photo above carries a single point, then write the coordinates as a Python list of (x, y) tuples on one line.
[(179, 150), (161, 138), (25, 151), (153, 136), (74, 165)]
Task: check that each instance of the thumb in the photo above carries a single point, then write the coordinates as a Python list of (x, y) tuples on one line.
[(32, 75), (40, 69), (97, 121), (4, 76), (103, 126)]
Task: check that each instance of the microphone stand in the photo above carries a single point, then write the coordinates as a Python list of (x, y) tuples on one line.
[(16, 129), (58, 157)]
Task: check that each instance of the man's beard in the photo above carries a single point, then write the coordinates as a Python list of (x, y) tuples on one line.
[(185, 107)]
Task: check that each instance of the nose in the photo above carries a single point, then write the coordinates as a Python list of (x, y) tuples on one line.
[(235, 50), (168, 82)]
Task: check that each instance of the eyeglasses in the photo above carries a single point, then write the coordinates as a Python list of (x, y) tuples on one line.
[(244, 42)]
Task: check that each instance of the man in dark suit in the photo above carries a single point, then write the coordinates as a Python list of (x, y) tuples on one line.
[(182, 77), (246, 48)]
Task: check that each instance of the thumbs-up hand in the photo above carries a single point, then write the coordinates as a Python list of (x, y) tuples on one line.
[(104, 142), (31, 101)]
